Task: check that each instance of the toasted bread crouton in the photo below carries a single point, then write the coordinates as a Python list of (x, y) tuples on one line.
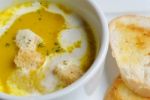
[(27, 57), (119, 91), (26, 39), (67, 72), (29, 60), (130, 43)]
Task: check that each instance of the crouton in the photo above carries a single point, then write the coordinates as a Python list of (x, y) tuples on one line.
[(67, 72), (28, 59), (28, 40)]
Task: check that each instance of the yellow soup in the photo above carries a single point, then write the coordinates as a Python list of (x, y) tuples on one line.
[(48, 26)]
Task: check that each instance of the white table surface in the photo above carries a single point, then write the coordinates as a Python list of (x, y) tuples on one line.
[(113, 8)]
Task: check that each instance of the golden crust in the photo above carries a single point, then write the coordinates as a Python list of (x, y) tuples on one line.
[(119, 91)]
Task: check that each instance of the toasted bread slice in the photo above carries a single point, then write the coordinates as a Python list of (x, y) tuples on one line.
[(119, 91), (130, 42)]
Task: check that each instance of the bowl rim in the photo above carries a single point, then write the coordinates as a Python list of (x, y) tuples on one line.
[(94, 67)]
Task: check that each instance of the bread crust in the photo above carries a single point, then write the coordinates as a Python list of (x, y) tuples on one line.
[(119, 91)]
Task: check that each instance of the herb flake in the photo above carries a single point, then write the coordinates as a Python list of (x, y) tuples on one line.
[(7, 45), (40, 45), (39, 18), (47, 52)]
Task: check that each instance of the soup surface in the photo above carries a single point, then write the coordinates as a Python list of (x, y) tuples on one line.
[(65, 51)]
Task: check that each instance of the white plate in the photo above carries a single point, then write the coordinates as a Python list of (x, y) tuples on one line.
[(109, 74)]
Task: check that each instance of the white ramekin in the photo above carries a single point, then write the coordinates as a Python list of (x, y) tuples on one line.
[(87, 85)]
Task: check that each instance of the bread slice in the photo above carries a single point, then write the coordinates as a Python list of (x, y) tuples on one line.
[(130, 43), (119, 91)]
